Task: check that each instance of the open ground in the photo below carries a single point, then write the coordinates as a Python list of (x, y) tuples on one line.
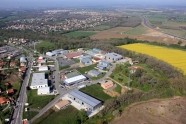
[(157, 111)]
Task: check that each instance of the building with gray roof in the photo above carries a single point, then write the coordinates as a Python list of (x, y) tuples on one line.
[(38, 81), (94, 73), (86, 61), (85, 100), (74, 80), (103, 65), (113, 57), (23, 59)]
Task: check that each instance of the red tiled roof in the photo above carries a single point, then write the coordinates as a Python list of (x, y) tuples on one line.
[(96, 59), (22, 69), (25, 121), (72, 55), (9, 91), (3, 100), (12, 63)]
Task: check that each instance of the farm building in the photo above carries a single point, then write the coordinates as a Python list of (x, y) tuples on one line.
[(71, 74), (4, 100), (49, 54), (85, 100), (94, 73), (73, 55), (43, 91), (96, 60), (103, 65), (38, 81), (107, 84), (74, 80), (43, 68), (113, 57), (86, 61), (62, 104), (23, 59)]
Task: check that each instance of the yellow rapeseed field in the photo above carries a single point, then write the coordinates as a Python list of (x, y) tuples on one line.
[(175, 57)]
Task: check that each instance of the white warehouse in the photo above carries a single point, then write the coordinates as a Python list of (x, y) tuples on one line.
[(43, 91), (74, 80), (38, 81)]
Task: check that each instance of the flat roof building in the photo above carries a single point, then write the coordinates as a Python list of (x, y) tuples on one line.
[(85, 100), (43, 68), (74, 55), (72, 74), (43, 91), (94, 73), (74, 80), (49, 54), (113, 57), (38, 81)]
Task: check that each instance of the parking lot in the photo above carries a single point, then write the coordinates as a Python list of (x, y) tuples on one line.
[(64, 61)]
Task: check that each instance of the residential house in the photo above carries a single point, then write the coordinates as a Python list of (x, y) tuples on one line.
[(4, 100), (95, 60), (103, 65), (113, 57), (107, 84), (94, 73), (10, 91), (86, 61), (12, 64)]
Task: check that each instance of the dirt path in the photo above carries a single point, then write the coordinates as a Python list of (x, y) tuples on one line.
[(157, 111)]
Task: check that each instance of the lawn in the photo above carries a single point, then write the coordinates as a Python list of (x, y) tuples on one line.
[(100, 28), (96, 91), (80, 33), (137, 30), (16, 86), (76, 60), (45, 46), (29, 114), (172, 56), (65, 116), (118, 88), (82, 70), (63, 67), (36, 101), (50, 63)]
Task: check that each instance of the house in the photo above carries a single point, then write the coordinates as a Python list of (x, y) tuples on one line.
[(49, 54), (71, 74), (23, 59), (12, 64), (103, 65), (73, 55), (113, 57), (10, 91), (86, 61), (98, 50), (95, 60), (43, 68), (107, 84), (94, 73), (92, 52), (43, 91), (86, 57), (2, 63), (22, 64), (57, 52), (38, 81), (62, 104), (85, 100), (74, 80), (25, 121), (4, 100), (22, 69)]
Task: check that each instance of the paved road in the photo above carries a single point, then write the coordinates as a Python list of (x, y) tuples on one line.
[(18, 111), (145, 22)]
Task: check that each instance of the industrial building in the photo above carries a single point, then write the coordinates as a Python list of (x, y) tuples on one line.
[(64, 52), (70, 75), (85, 100), (86, 61), (113, 57), (94, 73), (43, 91), (103, 65), (38, 81), (74, 80)]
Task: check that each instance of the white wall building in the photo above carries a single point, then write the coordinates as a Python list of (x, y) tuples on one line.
[(74, 80), (49, 54), (43, 91), (43, 68), (38, 81)]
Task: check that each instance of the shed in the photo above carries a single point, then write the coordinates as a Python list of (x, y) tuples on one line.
[(62, 104), (94, 73), (43, 91)]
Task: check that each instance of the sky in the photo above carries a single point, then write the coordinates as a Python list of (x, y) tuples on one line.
[(61, 3)]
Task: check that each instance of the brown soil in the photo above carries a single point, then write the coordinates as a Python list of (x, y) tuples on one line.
[(12, 79), (111, 93), (150, 36), (157, 111)]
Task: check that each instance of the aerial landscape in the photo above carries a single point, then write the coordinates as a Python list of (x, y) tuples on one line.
[(92, 62)]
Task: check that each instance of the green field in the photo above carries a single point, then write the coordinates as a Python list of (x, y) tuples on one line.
[(86, 69), (175, 32), (157, 17), (45, 46), (100, 28), (118, 88), (29, 114), (36, 101), (137, 30), (16, 87), (80, 33), (65, 116), (96, 91), (9, 18)]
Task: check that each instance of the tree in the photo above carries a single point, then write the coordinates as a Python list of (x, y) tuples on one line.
[(82, 116), (116, 113)]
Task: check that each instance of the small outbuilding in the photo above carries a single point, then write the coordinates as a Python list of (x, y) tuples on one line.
[(43, 91), (94, 73), (62, 104), (107, 84)]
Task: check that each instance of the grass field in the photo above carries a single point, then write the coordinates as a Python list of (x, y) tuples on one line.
[(118, 88), (82, 70), (16, 86), (65, 116), (137, 30), (175, 32), (100, 27), (29, 114), (174, 57), (96, 91), (45, 45), (157, 17), (36, 101), (80, 33)]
